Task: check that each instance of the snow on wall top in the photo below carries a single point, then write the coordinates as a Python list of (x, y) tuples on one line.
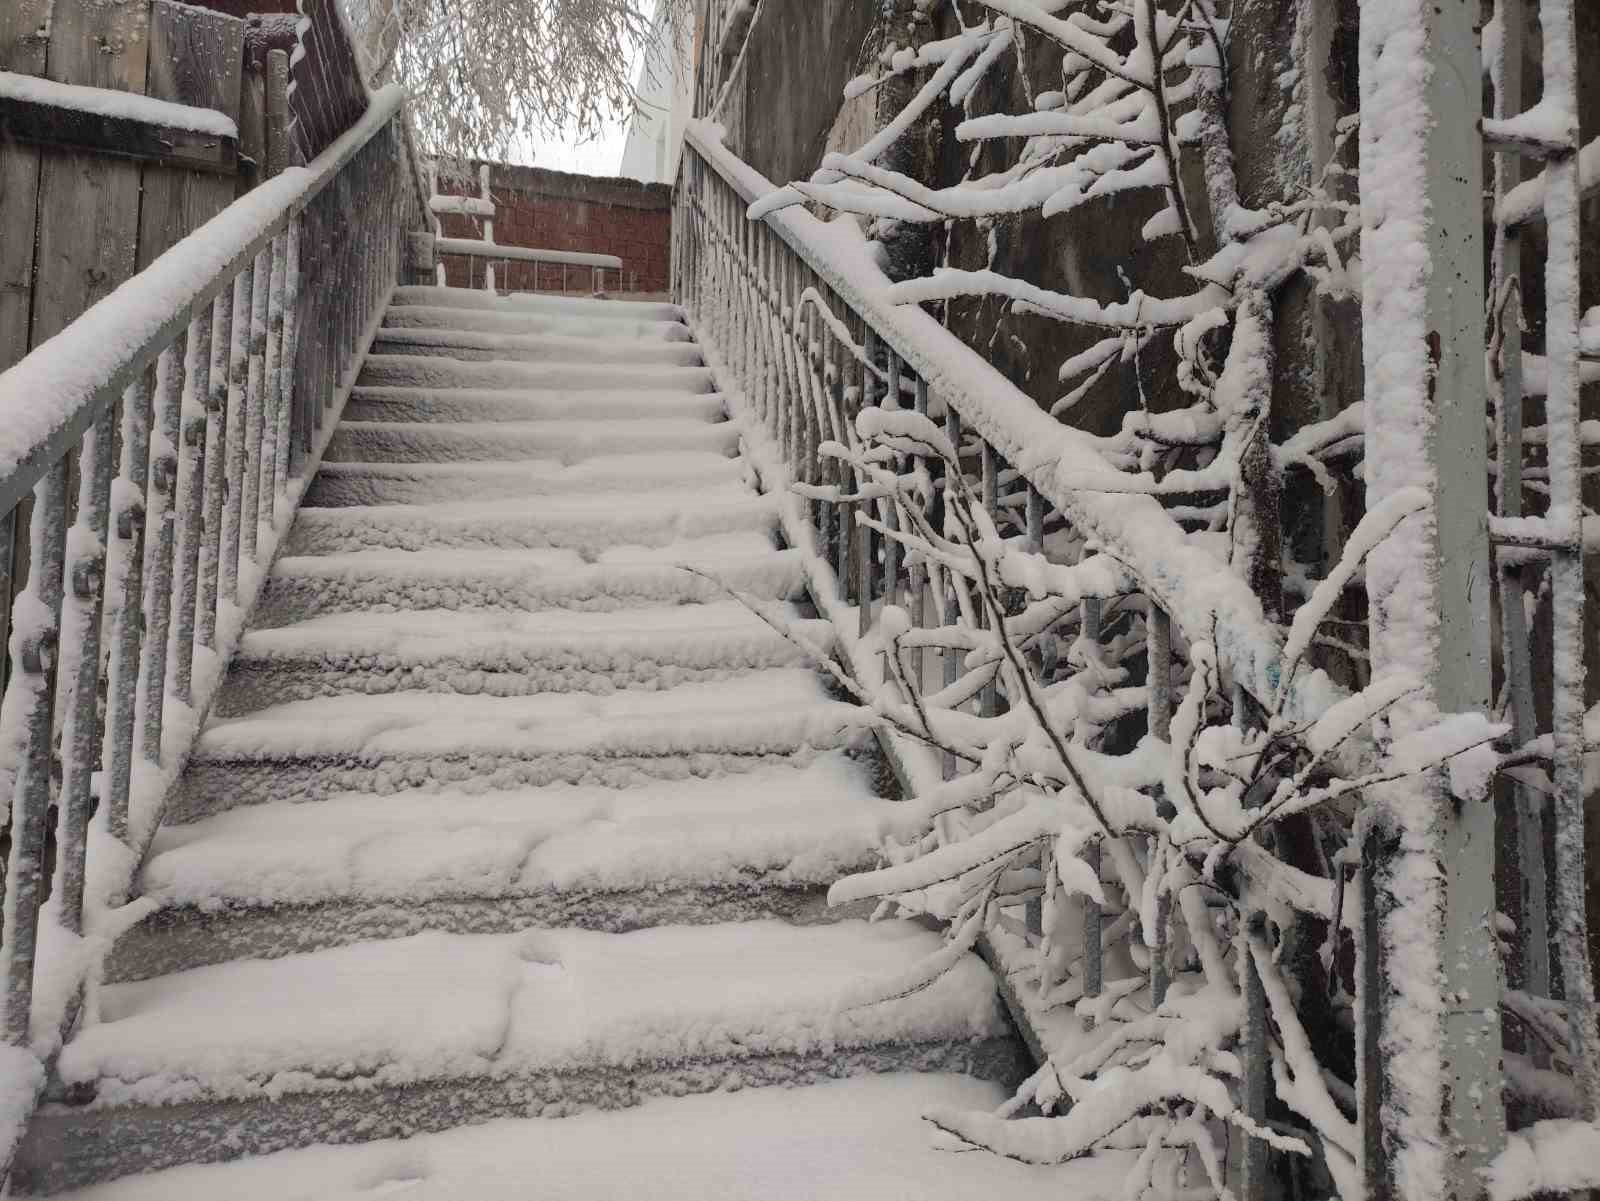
[(105, 102)]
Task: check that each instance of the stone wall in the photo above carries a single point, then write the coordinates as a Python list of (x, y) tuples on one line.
[(553, 210)]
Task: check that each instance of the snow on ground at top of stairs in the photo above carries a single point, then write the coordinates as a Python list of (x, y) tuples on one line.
[(806, 824), (532, 322), (841, 1140), (555, 348), (780, 708), (584, 307), (437, 1006)]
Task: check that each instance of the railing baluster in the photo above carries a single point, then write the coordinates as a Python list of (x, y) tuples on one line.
[(272, 396), (191, 495), (127, 565), (254, 413), (30, 686), (82, 610), (891, 546), (866, 536), (1093, 953), (988, 698), (951, 614), (216, 479), (160, 521), (234, 425)]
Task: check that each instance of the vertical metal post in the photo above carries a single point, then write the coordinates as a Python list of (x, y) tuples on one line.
[(988, 699), (1429, 1035), (1093, 951), (127, 565), (161, 501), (35, 662), (1034, 913), (866, 537), (216, 483), (952, 615), (81, 619), (190, 495), (891, 517)]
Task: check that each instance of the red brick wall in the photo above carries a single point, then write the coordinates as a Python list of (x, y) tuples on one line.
[(552, 210)]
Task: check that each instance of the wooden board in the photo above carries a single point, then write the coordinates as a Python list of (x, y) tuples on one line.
[(196, 57), (88, 204), (22, 49)]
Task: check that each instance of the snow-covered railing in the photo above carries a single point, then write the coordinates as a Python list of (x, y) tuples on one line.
[(1296, 931), (151, 454)]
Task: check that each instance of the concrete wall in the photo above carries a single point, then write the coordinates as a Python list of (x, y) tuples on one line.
[(553, 210)]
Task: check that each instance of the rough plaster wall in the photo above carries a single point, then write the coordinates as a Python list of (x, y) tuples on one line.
[(786, 94)]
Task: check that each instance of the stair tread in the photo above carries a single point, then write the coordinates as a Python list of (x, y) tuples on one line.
[(567, 441), (437, 1006), (542, 404), (859, 1137), (778, 708), (591, 523), (571, 306), (422, 636), (795, 825), (431, 371)]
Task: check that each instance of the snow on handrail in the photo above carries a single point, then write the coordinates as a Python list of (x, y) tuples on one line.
[(49, 400), (1207, 600)]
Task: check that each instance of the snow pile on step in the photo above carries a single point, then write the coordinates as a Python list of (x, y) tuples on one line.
[(531, 404), (590, 524), (843, 1139), (438, 1006), (799, 825), (532, 580), (780, 709)]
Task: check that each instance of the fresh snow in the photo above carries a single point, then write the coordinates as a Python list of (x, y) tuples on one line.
[(843, 1139), (107, 102), (440, 1006)]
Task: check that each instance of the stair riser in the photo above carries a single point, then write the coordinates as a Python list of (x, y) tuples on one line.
[(443, 443), (424, 371), (485, 348), (289, 596), (339, 531), (443, 404), (67, 1148), (256, 684), (426, 317), (175, 940), (214, 785)]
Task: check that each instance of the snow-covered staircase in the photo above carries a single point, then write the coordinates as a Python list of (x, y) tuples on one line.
[(501, 811)]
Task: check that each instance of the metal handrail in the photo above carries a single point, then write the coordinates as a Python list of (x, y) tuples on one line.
[(49, 399), (214, 377), (1206, 599)]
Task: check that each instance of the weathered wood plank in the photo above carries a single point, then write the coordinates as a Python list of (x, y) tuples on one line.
[(99, 43), (196, 58), (22, 49), (122, 137)]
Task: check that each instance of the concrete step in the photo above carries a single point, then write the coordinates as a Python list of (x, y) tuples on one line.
[(495, 653), (299, 587), (392, 1038), (589, 524), (338, 484), (570, 307), (529, 404), (526, 321), (281, 878), (564, 441), (313, 749), (532, 348), (593, 373)]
